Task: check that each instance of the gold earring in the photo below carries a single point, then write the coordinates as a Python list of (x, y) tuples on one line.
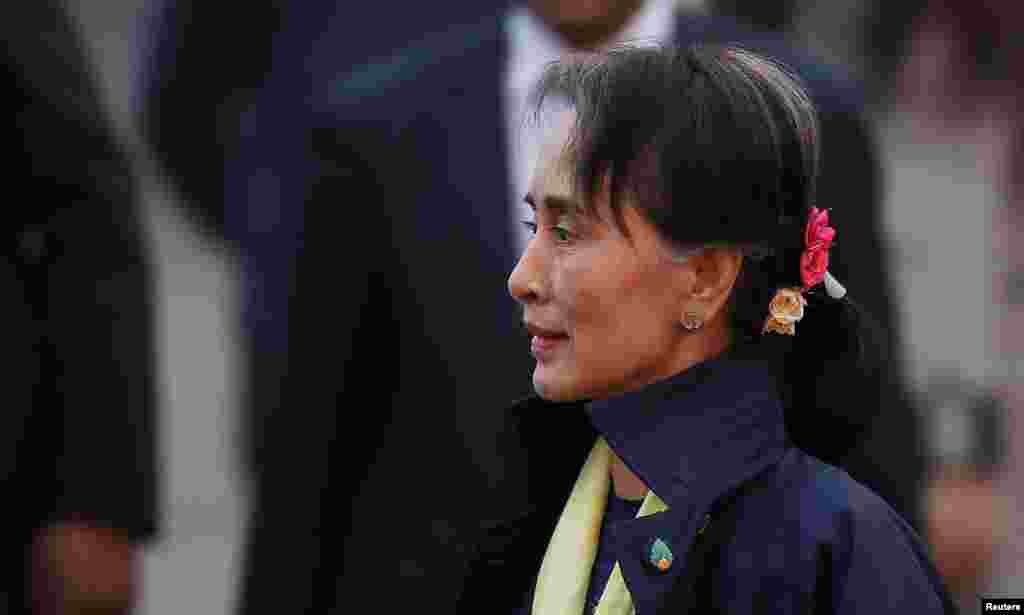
[(691, 321)]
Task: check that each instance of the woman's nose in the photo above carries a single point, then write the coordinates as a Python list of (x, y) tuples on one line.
[(524, 282)]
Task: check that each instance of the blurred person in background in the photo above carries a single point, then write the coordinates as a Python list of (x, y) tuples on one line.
[(212, 113), (77, 463), (967, 519), (400, 186), (952, 71)]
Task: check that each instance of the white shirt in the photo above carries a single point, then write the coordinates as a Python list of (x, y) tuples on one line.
[(532, 45)]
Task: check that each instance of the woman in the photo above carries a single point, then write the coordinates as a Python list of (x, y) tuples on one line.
[(677, 295)]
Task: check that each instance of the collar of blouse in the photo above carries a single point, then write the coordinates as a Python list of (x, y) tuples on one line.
[(691, 438)]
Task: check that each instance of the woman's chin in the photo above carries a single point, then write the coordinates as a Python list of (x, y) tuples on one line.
[(551, 387)]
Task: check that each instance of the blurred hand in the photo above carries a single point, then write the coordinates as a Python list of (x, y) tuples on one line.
[(84, 569), (966, 520)]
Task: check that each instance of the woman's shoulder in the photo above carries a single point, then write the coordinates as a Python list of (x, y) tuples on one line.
[(823, 503), (828, 538), (815, 489)]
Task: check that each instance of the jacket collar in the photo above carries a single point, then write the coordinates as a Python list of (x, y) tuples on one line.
[(699, 434), (692, 438)]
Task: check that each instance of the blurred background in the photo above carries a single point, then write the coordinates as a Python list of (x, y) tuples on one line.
[(942, 84), (193, 567)]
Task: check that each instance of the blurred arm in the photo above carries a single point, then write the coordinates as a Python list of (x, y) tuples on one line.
[(307, 466), (95, 466)]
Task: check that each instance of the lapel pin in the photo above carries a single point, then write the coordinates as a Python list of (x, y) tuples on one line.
[(660, 555)]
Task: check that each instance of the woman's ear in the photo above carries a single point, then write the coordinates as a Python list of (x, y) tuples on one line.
[(715, 271)]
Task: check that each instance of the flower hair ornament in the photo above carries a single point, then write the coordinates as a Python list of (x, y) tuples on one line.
[(787, 306)]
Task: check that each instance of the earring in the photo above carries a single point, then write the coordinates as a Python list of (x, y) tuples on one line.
[(691, 321)]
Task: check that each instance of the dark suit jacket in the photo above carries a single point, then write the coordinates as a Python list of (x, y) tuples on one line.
[(212, 75), (801, 536), (379, 455), (77, 426), (224, 121)]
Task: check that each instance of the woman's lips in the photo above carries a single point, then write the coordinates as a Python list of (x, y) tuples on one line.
[(542, 346)]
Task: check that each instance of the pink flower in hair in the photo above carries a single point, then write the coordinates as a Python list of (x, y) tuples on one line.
[(818, 238)]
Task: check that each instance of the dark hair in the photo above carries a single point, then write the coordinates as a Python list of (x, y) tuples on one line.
[(719, 146)]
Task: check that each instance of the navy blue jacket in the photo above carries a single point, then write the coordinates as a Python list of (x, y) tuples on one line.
[(806, 538)]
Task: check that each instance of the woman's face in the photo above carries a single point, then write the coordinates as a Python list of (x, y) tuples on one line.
[(604, 311)]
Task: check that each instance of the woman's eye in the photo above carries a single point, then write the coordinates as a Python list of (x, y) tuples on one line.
[(562, 235)]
